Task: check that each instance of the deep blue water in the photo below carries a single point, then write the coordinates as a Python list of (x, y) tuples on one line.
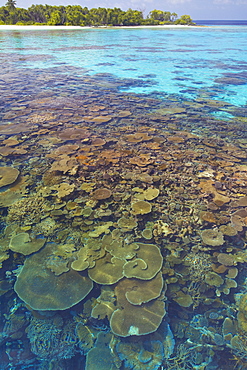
[(221, 22)]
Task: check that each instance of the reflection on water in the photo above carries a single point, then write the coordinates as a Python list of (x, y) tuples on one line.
[(123, 224)]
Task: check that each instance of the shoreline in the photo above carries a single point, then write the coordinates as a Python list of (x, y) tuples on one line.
[(34, 27)]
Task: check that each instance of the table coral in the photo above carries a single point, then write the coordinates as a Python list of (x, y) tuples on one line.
[(225, 259), (184, 300), (127, 223), (88, 254), (101, 229), (64, 164), (107, 270), (151, 193), (213, 279), (212, 237), (120, 249), (100, 357), (102, 193), (8, 175), (242, 315), (22, 243), (147, 263), (104, 305), (143, 291), (41, 289), (141, 207), (147, 233), (129, 319), (63, 189)]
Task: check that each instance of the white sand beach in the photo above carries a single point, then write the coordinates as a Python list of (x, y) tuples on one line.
[(18, 27)]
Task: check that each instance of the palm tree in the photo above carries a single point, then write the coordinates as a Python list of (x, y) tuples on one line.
[(10, 4)]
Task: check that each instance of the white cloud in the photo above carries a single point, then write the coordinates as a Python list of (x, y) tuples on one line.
[(221, 2), (179, 1), (230, 2)]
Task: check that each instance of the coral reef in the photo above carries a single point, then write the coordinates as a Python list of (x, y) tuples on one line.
[(52, 339), (22, 243), (8, 175), (129, 319), (139, 356), (120, 214), (27, 211), (41, 289), (100, 356)]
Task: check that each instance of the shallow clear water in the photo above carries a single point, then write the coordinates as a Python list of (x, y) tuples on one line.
[(190, 62), (123, 195)]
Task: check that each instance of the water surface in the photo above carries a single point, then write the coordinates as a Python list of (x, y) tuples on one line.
[(123, 199), (190, 61)]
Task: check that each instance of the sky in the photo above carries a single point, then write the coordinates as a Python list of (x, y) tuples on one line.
[(197, 9)]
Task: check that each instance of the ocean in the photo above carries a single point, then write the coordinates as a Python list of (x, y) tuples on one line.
[(188, 62), (123, 197), (221, 22)]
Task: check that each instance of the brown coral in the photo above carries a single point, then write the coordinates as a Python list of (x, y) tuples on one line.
[(8, 175), (102, 193), (74, 133), (147, 263), (97, 141), (212, 237), (27, 211)]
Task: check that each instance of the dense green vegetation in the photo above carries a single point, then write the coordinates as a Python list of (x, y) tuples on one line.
[(75, 15)]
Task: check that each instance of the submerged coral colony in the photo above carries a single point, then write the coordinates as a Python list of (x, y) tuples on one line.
[(123, 228)]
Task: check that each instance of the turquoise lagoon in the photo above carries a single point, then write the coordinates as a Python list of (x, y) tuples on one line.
[(123, 194), (187, 61)]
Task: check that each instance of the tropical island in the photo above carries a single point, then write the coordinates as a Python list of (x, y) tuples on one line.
[(75, 15)]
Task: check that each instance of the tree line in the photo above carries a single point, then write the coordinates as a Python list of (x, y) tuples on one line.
[(75, 15)]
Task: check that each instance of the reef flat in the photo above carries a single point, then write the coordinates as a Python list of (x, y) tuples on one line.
[(123, 226)]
